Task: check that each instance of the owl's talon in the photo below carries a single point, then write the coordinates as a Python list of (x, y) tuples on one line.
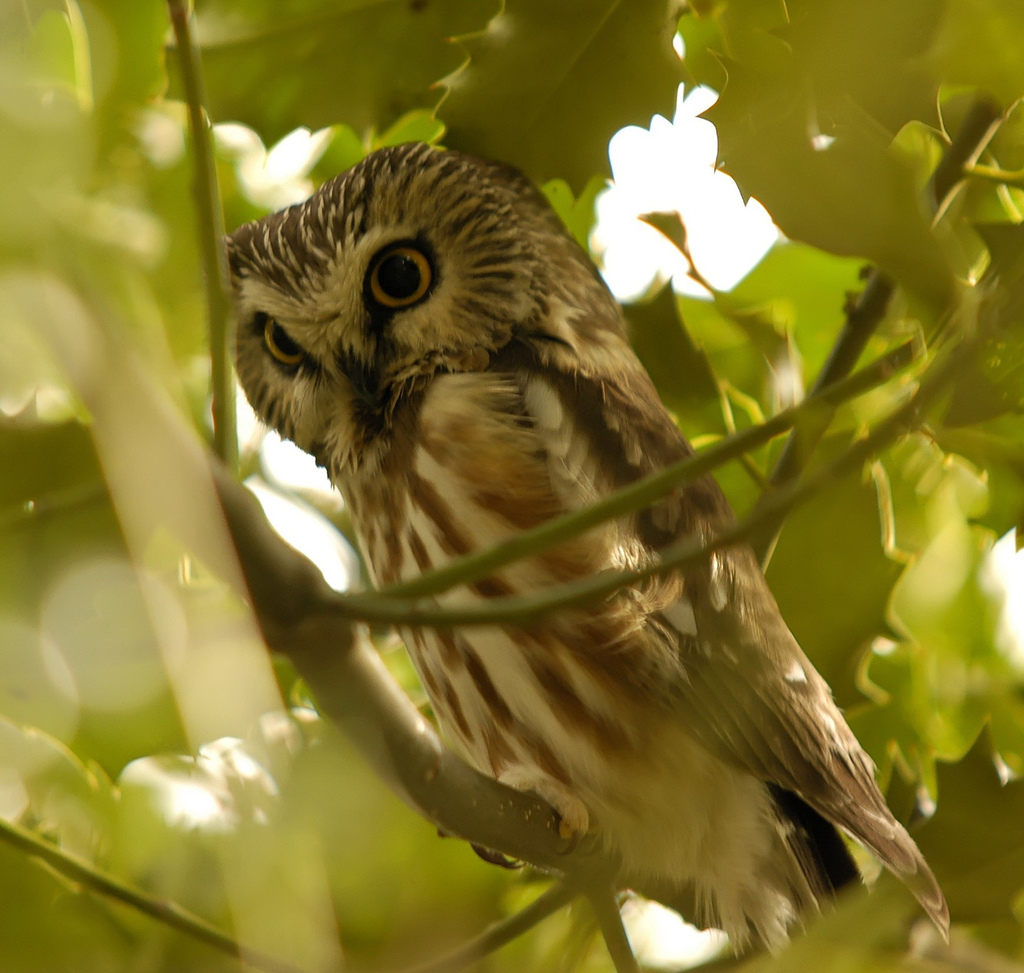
[(495, 857), (566, 830)]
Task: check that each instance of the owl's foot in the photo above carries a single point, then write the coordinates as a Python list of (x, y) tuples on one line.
[(573, 816), (567, 831)]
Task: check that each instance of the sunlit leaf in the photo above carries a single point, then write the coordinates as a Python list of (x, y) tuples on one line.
[(976, 44), (975, 842), (577, 212), (805, 123), (319, 62), (548, 72), (832, 577)]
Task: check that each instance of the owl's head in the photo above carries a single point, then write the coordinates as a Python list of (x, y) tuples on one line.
[(413, 262)]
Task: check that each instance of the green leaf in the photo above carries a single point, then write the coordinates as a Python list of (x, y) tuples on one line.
[(975, 841), (804, 291), (52, 48), (992, 382), (548, 84), (276, 66), (867, 53), (832, 577), (126, 40), (1005, 242), (54, 510), (63, 800), (734, 357), (996, 448), (806, 120), (42, 460), (418, 125), (577, 213), (702, 45), (864, 933), (851, 196), (978, 44), (680, 370), (344, 150), (46, 926)]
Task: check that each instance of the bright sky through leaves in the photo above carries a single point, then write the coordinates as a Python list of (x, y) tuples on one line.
[(671, 167)]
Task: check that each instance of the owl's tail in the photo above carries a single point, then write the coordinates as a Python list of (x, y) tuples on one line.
[(804, 870), (816, 844)]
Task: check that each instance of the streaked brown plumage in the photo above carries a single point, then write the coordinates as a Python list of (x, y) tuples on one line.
[(428, 330)]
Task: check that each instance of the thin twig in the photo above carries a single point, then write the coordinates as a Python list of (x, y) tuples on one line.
[(211, 234), (644, 492), (169, 913), (501, 933), (1008, 177), (526, 610), (862, 319), (609, 919), (974, 134), (866, 313)]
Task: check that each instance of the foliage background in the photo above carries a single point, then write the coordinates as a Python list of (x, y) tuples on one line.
[(131, 675)]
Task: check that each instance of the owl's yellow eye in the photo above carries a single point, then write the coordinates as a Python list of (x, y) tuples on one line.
[(286, 351), (400, 276)]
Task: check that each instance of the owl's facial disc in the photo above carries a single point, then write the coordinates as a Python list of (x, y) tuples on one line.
[(414, 262)]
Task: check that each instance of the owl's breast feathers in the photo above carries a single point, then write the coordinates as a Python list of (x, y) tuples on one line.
[(695, 678)]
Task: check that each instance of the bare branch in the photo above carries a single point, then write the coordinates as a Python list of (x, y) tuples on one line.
[(686, 553), (501, 933), (862, 319), (636, 496), (211, 234), (866, 313), (609, 919), (169, 913)]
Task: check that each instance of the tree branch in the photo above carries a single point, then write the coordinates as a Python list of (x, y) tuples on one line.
[(528, 609), (864, 315), (963, 151), (609, 920), (297, 614), (211, 234), (169, 913), (862, 319), (816, 407), (501, 933)]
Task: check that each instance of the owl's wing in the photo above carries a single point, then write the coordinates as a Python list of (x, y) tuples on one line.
[(744, 687), (755, 699)]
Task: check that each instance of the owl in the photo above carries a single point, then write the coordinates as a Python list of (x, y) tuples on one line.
[(428, 330)]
